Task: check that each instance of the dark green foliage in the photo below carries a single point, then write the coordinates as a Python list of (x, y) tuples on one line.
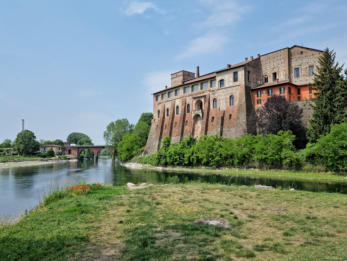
[(330, 104), (6, 144), (265, 151), (128, 147), (50, 153), (26, 143), (330, 150), (79, 139), (278, 114)]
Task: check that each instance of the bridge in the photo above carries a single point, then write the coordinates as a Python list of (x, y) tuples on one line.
[(77, 149)]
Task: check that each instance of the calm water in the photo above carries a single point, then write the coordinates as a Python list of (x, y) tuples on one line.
[(23, 188)]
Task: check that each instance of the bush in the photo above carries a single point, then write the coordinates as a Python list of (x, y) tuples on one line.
[(330, 150), (50, 153)]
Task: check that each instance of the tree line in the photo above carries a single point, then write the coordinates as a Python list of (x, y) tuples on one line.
[(128, 140)]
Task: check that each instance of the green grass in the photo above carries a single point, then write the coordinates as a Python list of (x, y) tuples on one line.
[(157, 223), (27, 158)]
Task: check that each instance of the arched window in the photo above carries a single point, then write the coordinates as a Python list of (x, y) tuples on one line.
[(214, 103), (221, 83), (177, 109), (158, 113), (232, 100), (167, 112), (188, 108)]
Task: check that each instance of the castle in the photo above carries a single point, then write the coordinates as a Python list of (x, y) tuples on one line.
[(224, 102)]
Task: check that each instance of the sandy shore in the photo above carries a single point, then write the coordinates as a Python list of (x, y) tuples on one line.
[(31, 163)]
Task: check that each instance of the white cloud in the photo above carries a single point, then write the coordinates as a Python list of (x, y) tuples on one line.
[(156, 81), (223, 12), (220, 15), (204, 44), (136, 7)]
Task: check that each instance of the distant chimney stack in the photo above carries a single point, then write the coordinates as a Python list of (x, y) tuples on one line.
[(22, 124), (197, 71), (228, 65), (165, 86), (258, 55), (252, 58), (246, 59)]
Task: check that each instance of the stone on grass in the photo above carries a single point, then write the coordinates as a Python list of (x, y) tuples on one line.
[(212, 222), (263, 187), (141, 186)]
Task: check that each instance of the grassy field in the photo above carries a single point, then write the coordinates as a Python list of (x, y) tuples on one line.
[(157, 223), (26, 158)]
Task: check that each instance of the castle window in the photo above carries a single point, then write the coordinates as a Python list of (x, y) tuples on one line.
[(158, 113), (282, 90), (188, 108), (212, 119), (299, 98), (274, 76), (170, 94), (299, 91), (163, 96), (177, 92), (177, 109), (230, 116), (264, 91), (221, 83), (296, 72), (195, 87), (266, 79), (236, 76), (186, 89), (248, 76), (258, 101), (269, 92), (213, 83), (311, 70), (167, 112), (204, 85), (232, 100), (157, 97), (258, 93), (214, 103), (301, 52)]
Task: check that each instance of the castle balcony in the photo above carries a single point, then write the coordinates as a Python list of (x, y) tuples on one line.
[(197, 112)]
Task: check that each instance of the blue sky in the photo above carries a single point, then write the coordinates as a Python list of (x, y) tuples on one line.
[(77, 65)]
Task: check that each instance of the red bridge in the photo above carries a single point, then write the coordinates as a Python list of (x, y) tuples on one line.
[(77, 149)]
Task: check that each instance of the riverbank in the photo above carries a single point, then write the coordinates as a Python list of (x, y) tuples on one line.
[(176, 222), (275, 174), (31, 163)]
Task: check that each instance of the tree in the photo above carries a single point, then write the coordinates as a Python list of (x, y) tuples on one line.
[(50, 153), (278, 114), (6, 144), (143, 126), (115, 131), (330, 104), (26, 143), (79, 139), (128, 147), (146, 117)]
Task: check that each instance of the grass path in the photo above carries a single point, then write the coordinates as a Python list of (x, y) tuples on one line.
[(156, 223)]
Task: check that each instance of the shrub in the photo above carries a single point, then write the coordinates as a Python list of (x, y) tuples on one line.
[(50, 153), (330, 150)]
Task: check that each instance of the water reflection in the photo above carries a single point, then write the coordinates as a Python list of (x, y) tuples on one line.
[(23, 188)]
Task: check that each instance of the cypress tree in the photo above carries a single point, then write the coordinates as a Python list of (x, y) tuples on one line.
[(329, 106)]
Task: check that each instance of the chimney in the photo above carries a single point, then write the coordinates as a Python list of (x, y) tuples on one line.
[(246, 59), (22, 124), (258, 55), (228, 65), (165, 86), (197, 72), (252, 58)]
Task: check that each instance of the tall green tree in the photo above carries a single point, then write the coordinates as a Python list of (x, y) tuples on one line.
[(79, 138), (115, 131), (330, 104), (143, 126), (26, 143), (6, 144)]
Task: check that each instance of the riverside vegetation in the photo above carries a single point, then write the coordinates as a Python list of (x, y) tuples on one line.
[(256, 151), (157, 223)]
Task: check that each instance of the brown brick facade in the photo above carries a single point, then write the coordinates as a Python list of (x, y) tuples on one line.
[(224, 102)]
